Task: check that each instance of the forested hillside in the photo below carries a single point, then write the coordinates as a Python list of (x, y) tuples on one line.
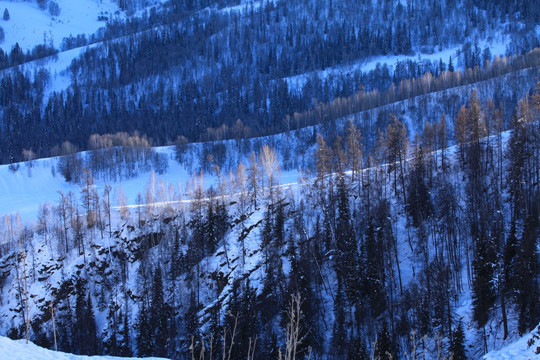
[(271, 179), (187, 68), (410, 248)]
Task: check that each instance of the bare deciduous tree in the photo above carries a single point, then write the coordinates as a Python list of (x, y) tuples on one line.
[(270, 165), (121, 200)]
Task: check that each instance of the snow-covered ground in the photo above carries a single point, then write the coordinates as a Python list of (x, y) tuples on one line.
[(30, 26), (496, 45), (244, 6), (24, 190), (526, 348), (20, 350)]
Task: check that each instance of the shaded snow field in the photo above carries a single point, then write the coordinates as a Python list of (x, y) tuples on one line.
[(30, 26), (19, 350), (24, 190), (526, 348)]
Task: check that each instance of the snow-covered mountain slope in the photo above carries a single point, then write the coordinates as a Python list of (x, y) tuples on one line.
[(150, 51), (24, 190), (526, 348), (496, 44), (38, 182), (29, 26), (239, 256), (20, 350)]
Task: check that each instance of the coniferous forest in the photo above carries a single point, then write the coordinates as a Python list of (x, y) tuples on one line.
[(197, 60), (368, 253), (297, 204)]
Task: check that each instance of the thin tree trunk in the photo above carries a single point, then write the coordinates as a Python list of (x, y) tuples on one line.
[(54, 325), (27, 310), (503, 307)]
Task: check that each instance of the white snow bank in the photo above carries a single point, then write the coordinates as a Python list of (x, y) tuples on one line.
[(526, 348), (19, 350)]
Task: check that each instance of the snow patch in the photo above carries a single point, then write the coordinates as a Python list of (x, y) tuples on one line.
[(30, 26), (526, 348), (19, 350)]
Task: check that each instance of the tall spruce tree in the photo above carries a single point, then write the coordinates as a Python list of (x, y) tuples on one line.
[(374, 280), (192, 326), (347, 261), (125, 342), (383, 347), (85, 336), (419, 203), (484, 266), (457, 344), (339, 331), (527, 271), (144, 332), (159, 317)]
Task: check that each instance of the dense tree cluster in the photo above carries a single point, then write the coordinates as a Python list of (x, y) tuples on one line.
[(17, 55), (69, 116)]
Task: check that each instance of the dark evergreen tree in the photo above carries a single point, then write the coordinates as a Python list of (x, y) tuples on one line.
[(516, 167), (419, 203), (191, 323), (423, 313), (511, 249), (527, 271), (357, 350), (300, 283), (85, 335), (144, 332), (125, 343), (383, 347), (176, 256), (457, 344), (339, 331), (91, 328), (243, 313), (484, 266), (210, 229), (159, 317), (347, 266), (374, 280), (110, 343)]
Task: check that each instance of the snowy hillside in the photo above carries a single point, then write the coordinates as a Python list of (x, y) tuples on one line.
[(270, 179), (200, 66), (23, 191), (526, 348), (20, 350), (146, 237), (30, 26), (39, 181)]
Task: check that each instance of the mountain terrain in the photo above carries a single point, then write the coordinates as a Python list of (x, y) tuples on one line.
[(270, 179)]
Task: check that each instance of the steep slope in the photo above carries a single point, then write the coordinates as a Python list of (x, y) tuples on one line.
[(224, 253), (526, 348)]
